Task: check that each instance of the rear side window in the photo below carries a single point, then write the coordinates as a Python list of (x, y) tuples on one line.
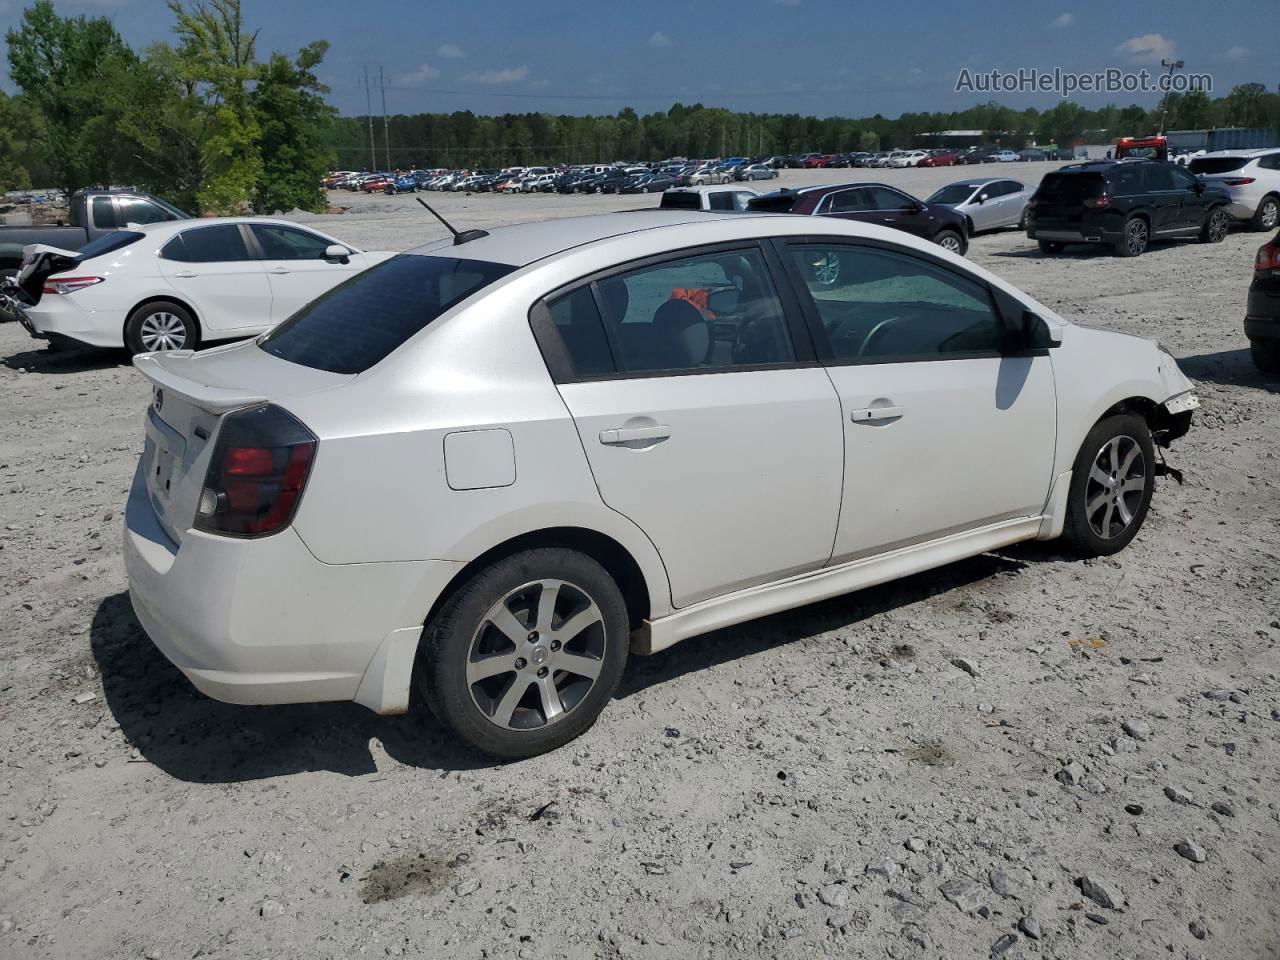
[(1212, 165), (104, 213), (222, 243), (109, 243), (1125, 181), (1070, 187), (722, 201), (362, 321)]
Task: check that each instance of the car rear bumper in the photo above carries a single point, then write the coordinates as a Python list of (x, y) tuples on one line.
[(263, 621), (60, 315), (1078, 234)]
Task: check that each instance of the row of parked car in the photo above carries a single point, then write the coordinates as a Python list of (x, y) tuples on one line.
[(939, 157)]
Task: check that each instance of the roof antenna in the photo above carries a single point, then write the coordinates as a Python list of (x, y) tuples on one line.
[(458, 238)]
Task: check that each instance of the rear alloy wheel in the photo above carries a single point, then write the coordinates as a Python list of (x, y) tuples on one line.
[(1134, 238), (1051, 246), (525, 656), (951, 241), (826, 268), (1215, 228), (1266, 216), (1111, 486), (160, 326)]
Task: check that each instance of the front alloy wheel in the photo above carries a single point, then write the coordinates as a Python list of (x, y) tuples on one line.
[(1112, 480), (1115, 488)]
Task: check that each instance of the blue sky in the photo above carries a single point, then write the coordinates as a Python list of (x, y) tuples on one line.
[(823, 57)]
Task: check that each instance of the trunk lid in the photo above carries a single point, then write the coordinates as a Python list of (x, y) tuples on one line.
[(192, 393)]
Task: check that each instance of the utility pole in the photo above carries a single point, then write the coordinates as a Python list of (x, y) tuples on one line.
[(1164, 102), (386, 136), (368, 110)]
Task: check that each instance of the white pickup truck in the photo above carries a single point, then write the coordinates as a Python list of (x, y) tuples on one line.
[(725, 199)]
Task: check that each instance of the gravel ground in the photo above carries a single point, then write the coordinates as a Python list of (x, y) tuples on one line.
[(1021, 755)]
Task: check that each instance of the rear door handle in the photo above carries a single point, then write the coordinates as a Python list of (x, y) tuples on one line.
[(278, 270), (186, 274), (876, 413), (631, 434)]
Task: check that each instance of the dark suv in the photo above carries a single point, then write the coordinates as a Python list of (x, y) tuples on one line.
[(1126, 204), (873, 203)]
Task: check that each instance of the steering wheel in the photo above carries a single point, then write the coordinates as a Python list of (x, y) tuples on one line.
[(876, 333)]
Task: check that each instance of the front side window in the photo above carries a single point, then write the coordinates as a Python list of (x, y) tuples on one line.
[(1181, 179), (878, 306), (137, 210), (222, 243), (288, 243), (699, 314)]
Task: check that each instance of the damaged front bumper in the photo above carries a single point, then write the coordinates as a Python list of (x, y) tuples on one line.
[(1175, 418)]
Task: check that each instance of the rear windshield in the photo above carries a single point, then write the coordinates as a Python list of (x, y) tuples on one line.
[(1070, 187), (1217, 164), (360, 322), (681, 201), (109, 243), (774, 202)]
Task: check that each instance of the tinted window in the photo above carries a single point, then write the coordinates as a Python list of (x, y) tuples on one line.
[(1212, 165), (1157, 176), (137, 210), (1181, 179), (109, 243), (1270, 162), (573, 341), (361, 321), (1070, 187), (876, 305), (774, 202), (217, 244), (104, 213), (286, 243), (848, 201), (885, 199), (721, 201), (1125, 181), (710, 312), (955, 193)]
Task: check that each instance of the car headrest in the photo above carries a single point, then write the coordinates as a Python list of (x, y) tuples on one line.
[(681, 336), (616, 299)]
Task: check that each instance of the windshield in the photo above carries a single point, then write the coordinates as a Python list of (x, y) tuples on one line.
[(955, 193), (1217, 164), (362, 321)]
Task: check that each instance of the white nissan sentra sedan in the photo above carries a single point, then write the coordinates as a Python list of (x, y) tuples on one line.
[(177, 284), (486, 471)]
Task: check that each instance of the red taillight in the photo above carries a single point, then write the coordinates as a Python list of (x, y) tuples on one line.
[(69, 284), (1237, 181), (258, 470), (1098, 202), (1268, 257)]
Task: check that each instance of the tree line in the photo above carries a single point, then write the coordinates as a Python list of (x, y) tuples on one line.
[(203, 121), (465, 139)]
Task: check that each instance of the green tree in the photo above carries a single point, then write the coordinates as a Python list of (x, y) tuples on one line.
[(288, 103), (216, 56), (67, 69), (16, 122)]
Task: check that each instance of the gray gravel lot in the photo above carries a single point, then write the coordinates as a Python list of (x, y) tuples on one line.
[(1021, 755)]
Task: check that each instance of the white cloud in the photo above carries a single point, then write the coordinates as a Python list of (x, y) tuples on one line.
[(659, 39), (1148, 48), (1062, 20), (508, 75), (451, 51), (1239, 53), (416, 78)]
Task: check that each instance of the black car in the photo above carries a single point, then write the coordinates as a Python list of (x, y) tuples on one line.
[(608, 182), (1125, 204), (1262, 316), (875, 203), (648, 183)]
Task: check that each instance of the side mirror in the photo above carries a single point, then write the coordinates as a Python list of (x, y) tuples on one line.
[(337, 253), (1037, 334), (982, 198)]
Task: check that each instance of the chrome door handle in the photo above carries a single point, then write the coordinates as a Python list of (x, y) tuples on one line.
[(186, 274), (631, 434), (876, 413), (278, 270)]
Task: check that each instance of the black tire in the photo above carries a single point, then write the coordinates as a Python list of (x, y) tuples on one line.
[(1216, 226), (1134, 238), (1266, 355), (1266, 216), (1086, 489), (953, 240), (1051, 246), (440, 676), (6, 315), (134, 333)]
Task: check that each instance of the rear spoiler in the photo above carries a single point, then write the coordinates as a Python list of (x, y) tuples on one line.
[(214, 399)]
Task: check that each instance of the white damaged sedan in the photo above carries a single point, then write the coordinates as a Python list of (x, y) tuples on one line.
[(480, 474)]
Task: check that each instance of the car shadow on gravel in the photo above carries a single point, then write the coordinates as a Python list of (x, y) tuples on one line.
[(840, 613), (200, 740), (66, 360), (1233, 368)]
